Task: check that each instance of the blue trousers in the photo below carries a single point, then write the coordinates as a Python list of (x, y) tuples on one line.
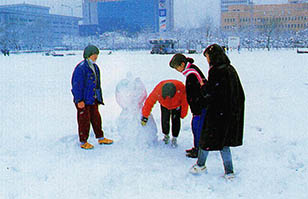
[(225, 155), (196, 125)]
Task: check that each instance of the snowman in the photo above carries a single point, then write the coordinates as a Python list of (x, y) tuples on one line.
[(130, 95)]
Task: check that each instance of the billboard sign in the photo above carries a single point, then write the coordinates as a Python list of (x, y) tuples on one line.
[(162, 15)]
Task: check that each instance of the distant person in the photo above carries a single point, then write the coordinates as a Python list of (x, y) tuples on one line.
[(194, 80), (3, 52), (224, 98), (87, 92), (224, 48), (171, 95)]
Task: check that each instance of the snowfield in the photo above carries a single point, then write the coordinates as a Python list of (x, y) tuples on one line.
[(40, 157)]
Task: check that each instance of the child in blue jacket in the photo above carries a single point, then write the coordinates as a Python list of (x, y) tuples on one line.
[(87, 92)]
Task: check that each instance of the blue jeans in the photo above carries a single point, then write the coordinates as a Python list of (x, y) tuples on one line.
[(225, 155), (196, 125)]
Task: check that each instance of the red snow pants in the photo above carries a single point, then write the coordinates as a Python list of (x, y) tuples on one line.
[(85, 117)]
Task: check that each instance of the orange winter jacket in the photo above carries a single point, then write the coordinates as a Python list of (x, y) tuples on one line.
[(178, 100)]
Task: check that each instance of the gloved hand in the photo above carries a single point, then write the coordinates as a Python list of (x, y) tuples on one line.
[(144, 121)]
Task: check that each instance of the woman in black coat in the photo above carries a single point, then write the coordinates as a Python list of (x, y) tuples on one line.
[(224, 98)]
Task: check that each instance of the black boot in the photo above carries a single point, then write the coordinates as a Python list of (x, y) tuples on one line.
[(190, 150), (193, 153)]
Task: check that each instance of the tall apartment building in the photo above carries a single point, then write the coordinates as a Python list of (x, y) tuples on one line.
[(27, 24), (225, 3), (127, 15), (286, 17), (89, 12)]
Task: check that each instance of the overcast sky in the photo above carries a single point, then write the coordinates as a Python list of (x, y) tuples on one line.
[(187, 12)]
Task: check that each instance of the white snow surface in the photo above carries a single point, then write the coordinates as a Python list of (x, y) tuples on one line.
[(40, 157)]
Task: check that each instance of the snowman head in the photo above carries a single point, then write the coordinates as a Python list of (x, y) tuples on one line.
[(130, 93)]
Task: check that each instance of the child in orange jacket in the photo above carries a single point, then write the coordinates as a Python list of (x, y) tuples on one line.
[(171, 95)]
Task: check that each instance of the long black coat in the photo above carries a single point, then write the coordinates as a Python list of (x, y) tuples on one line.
[(224, 98)]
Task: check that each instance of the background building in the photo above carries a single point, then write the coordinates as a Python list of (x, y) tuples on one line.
[(127, 15), (89, 12), (283, 17), (225, 3), (298, 1), (89, 24), (31, 26)]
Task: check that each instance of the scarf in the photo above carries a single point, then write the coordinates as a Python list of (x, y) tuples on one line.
[(189, 71)]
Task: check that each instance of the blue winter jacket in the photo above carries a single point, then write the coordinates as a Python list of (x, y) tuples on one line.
[(84, 86)]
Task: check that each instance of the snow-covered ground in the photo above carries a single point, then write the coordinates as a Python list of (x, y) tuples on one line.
[(40, 157)]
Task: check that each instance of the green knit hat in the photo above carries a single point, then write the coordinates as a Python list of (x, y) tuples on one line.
[(168, 89), (90, 50)]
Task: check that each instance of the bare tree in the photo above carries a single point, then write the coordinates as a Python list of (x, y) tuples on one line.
[(208, 28), (269, 27)]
